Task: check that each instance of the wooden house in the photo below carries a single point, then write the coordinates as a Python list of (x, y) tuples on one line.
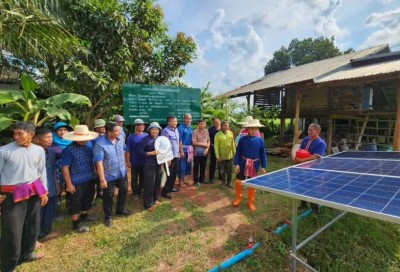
[(353, 96)]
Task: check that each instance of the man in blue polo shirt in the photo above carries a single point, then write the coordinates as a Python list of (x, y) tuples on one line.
[(185, 148), (316, 146), (133, 158), (109, 155), (171, 132)]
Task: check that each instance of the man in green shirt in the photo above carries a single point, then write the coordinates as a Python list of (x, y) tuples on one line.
[(224, 147)]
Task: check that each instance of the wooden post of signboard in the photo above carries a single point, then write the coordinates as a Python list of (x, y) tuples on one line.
[(296, 118), (396, 136), (248, 104)]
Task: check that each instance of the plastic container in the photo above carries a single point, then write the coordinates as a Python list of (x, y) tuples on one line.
[(301, 154)]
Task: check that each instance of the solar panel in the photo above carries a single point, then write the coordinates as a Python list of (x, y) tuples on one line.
[(385, 155), (369, 187)]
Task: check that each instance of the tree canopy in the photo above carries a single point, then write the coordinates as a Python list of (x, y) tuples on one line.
[(118, 41), (301, 52)]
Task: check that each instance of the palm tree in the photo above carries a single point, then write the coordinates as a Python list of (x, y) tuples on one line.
[(33, 29)]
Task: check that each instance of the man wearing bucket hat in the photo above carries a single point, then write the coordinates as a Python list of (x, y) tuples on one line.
[(316, 148), (250, 155), (119, 119), (109, 155), (79, 174), (134, 159), (99, 126)]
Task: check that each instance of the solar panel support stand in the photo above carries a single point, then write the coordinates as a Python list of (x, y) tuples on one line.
[(293, 254)]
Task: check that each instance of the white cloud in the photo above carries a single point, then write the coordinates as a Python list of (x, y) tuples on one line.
[(389, 22)]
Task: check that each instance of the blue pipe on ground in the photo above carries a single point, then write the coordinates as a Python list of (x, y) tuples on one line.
[(235, 258), (286, 225)]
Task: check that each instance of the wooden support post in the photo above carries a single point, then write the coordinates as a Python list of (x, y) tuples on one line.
[(396, 136), (296, 117), (226, 109), (329, 136), (248, 104)]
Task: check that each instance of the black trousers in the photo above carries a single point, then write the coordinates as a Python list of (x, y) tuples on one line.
[(108, 194), (199, 168), (225, 169), (47, 214), (151, 184), (173, 172), (213, 165), (20, 226), (137, 180)]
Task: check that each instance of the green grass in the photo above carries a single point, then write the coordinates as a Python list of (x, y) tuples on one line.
[(200, 229)]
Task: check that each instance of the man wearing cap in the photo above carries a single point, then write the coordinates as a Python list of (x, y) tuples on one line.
[(134, 159), (99, 127), (119, 119), (250, 155), (109, 155), (316, 146), (23, 180), (185, 148), (212, 131), (171, 132), (78, 170)]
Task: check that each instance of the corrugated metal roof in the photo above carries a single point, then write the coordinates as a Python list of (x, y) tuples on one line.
[(303, 73), (348, 72)]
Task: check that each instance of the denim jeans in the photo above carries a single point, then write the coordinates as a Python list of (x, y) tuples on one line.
[(185, 167)]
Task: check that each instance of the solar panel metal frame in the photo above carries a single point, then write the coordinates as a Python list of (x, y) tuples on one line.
[(332, 204)]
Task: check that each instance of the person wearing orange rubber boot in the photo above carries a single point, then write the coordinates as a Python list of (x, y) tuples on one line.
[(250, 155)]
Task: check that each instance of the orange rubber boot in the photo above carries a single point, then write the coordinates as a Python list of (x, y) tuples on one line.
[(250, 199), (238, 192)]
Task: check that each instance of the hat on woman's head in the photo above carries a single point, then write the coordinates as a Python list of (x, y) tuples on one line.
[(253, 123), (81, 133), (62, 124), (246, 120), (154, 125)]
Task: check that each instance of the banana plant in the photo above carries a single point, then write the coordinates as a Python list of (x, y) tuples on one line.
[(23, 105)]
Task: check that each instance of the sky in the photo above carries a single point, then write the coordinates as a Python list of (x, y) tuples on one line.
[(236, 38)]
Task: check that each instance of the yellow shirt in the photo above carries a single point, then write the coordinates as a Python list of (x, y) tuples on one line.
[(224, 145)]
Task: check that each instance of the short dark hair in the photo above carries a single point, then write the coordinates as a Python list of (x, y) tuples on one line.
[(40, 131), (316, 126), (224, 123), (169, 118), (201, 121), (27, 126), (110, 126)]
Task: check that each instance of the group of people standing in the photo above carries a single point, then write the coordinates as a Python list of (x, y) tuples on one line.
[(40, 162)]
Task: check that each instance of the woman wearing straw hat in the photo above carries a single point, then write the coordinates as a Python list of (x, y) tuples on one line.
[(250, 155), (151, 168), (243, 131), (79, 173)]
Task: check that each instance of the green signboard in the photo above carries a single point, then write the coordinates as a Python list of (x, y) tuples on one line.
[(156, 103)]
